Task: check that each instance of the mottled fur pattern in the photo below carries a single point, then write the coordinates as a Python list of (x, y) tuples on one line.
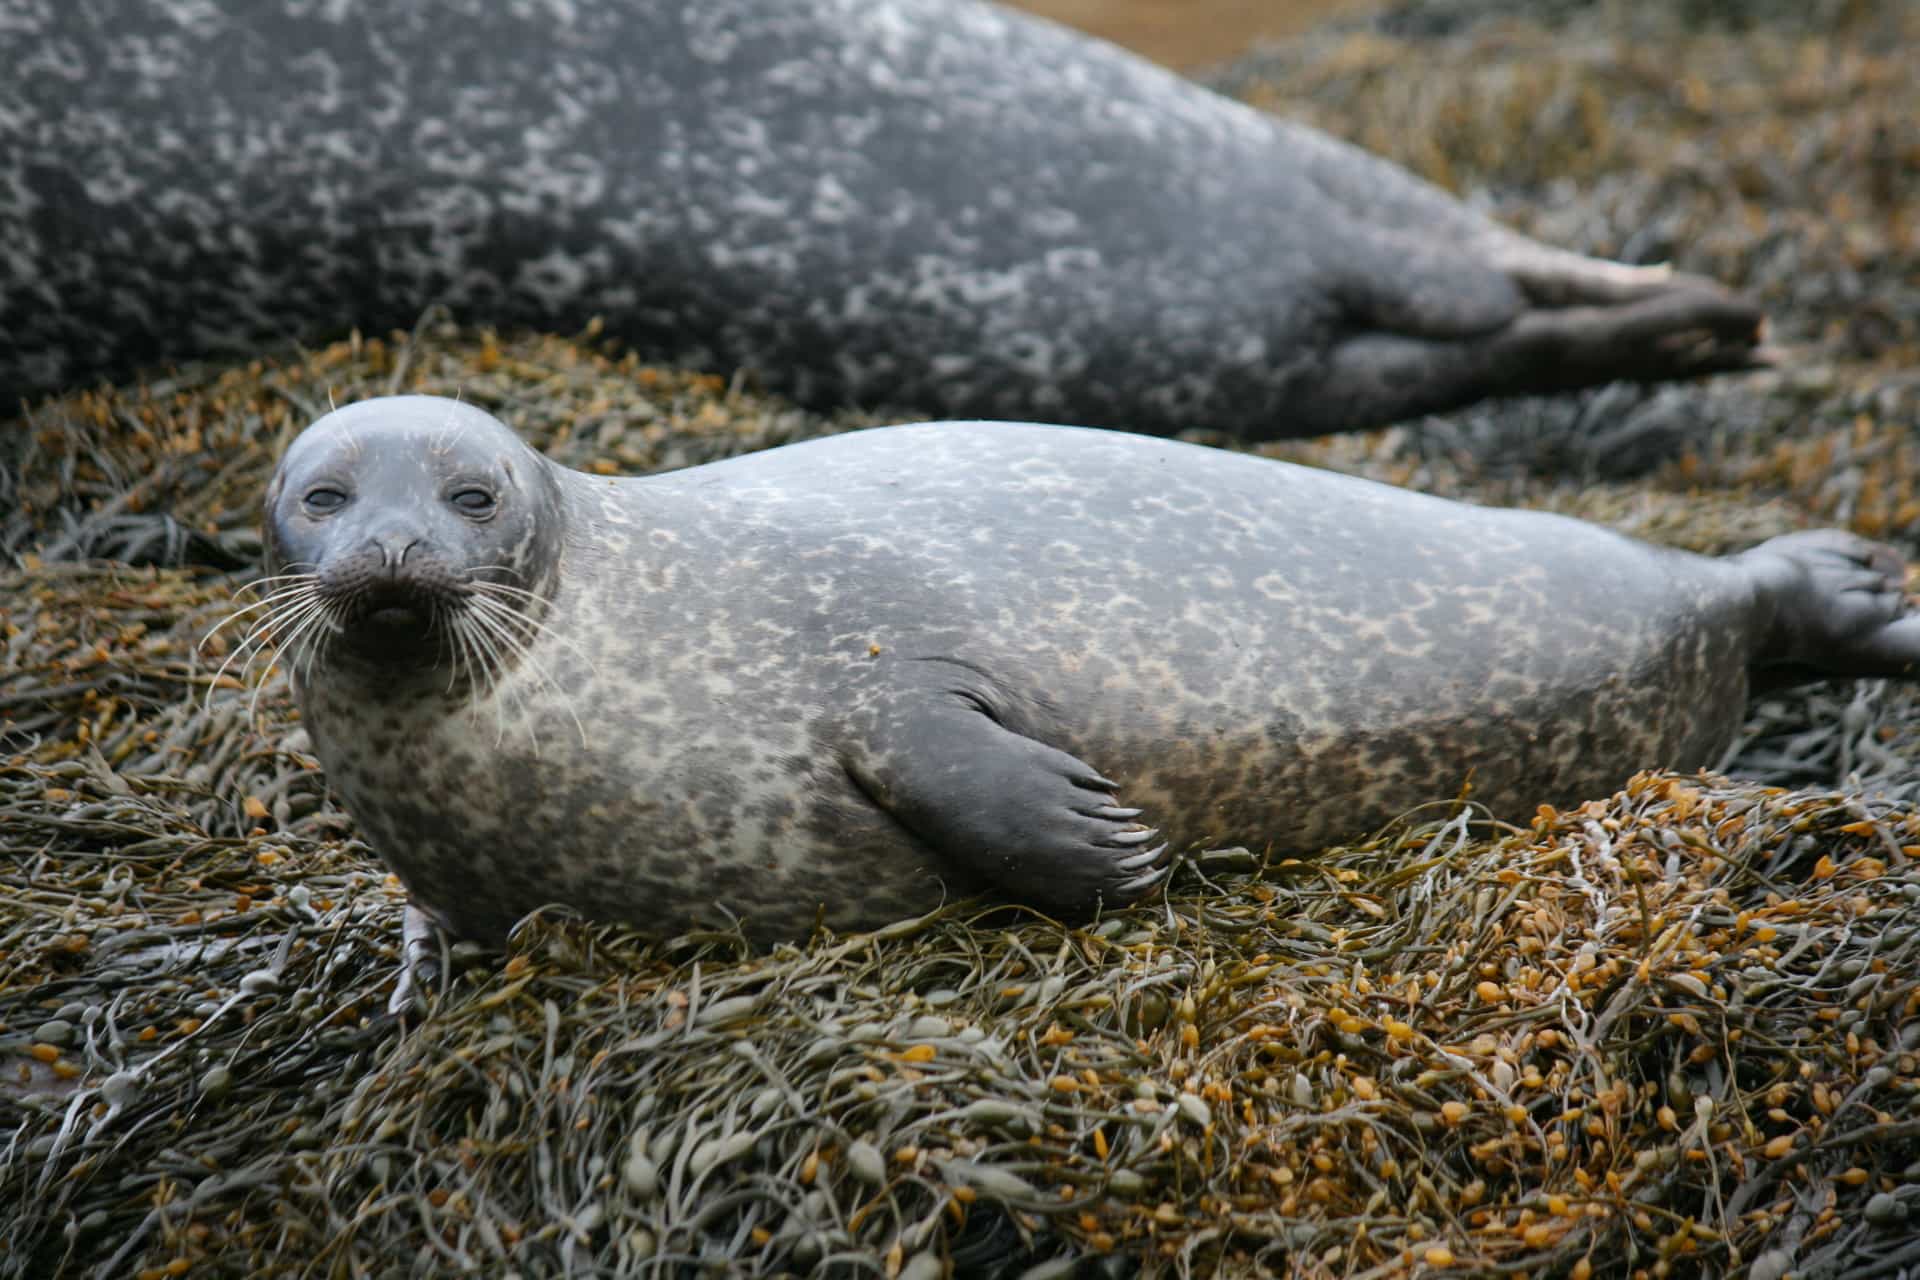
[(846, 679), (934, 203)]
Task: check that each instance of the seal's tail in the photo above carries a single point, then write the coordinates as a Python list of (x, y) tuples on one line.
[(1833, 603)]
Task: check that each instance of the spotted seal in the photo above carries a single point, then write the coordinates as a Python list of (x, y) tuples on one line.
[(938, 204), (841, 681)]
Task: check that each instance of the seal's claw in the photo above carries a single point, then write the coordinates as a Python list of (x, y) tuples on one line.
[(1145, 858), (1127, 839), (1139, 886)]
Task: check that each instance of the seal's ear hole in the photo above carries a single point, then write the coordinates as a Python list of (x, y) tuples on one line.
[(978, 703)]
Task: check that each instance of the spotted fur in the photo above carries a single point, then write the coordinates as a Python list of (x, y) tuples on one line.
[(933, 203), (844, 679)]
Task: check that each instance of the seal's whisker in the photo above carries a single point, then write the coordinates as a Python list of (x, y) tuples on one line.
[(517, 627), (442, 442), (505, 601), (291, 622), (304, 571), (281, 630), (266, 630), (299, 583), (442, 626), (451, 631), (482, 670), (280, 595), (253, 703), (508, 626), (459, 662), (489, 592), (310, 646), (486, 591), (493, 611), (307, 582), (519, 598), (509, 591), (499, 645), (514, 627), (233, 617), (463, 663), (276, 618), (500, 566), (515, 605), (501, 618), (322, 630), (491, 662), (484, 679)]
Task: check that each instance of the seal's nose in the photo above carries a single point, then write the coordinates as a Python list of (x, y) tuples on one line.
[(393, 550)]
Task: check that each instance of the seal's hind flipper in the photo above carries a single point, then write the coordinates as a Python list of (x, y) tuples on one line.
[(1039, 824), (1409, 350), (1589, 319), (1835, 604), (1688, 327)]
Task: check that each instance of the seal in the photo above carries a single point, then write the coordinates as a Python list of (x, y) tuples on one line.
[(936, 204), (841, 681)]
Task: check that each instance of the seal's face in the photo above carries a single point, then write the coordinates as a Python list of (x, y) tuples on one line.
[(408, 534)]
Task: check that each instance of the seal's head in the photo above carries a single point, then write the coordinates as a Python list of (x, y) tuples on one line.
[(408, 534)]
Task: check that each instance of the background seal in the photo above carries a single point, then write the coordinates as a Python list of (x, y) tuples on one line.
[(842, 680), (937, 204)]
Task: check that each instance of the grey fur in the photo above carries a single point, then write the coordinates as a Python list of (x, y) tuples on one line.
[(938, 204), (847, 678)]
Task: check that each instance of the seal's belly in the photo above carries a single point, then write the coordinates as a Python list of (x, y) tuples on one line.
[(705, 785), (1315, 736), (603, 818), (1299, 792)]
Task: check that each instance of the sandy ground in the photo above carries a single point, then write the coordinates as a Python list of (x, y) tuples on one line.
[(1190, 33)]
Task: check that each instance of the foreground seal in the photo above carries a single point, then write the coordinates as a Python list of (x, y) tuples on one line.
[(844, 680), (930, 203)]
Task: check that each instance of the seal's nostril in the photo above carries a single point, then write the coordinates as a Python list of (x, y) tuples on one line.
[(394, 549)]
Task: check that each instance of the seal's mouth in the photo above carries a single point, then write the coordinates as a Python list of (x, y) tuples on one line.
[(397, 617), (390, 612)]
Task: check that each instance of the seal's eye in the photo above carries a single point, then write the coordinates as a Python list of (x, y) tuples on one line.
[(324, 499), (473, 502)]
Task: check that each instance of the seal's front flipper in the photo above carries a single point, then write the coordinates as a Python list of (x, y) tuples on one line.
[(1831, 603), (420, 961), (1038, 823)]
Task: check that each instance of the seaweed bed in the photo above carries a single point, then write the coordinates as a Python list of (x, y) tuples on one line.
[(1672, 1032)]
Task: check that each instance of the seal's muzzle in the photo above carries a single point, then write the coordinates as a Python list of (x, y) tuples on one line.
[(389, 595)]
